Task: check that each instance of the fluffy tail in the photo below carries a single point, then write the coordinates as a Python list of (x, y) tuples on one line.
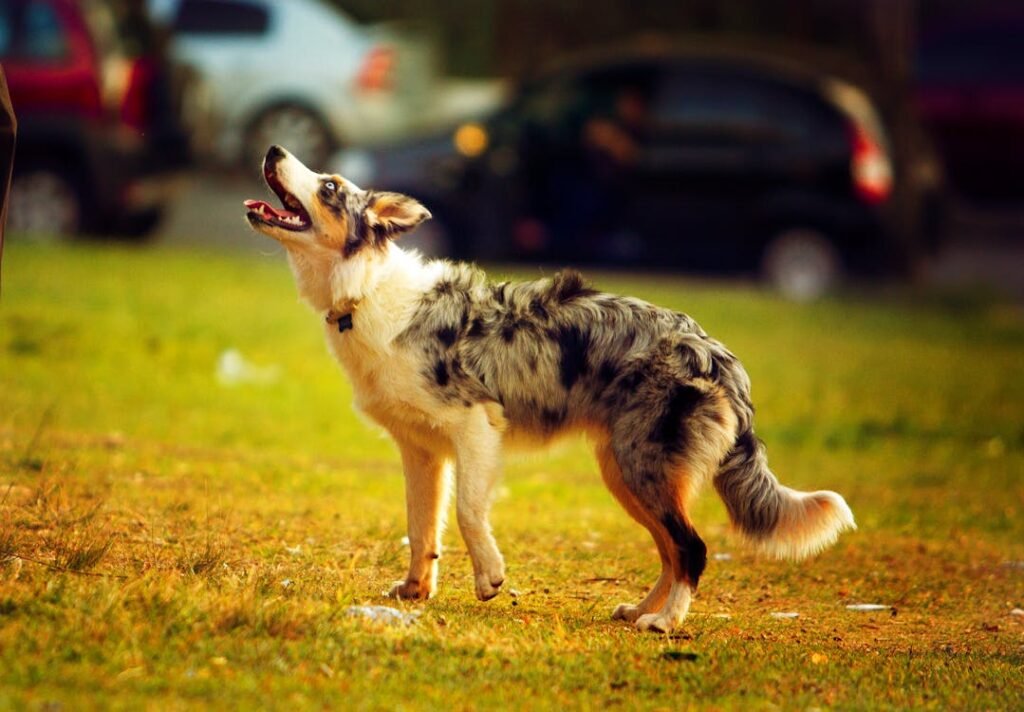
[(779, 521)]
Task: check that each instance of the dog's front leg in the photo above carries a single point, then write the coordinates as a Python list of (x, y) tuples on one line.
[(477, 460), (426, 501)]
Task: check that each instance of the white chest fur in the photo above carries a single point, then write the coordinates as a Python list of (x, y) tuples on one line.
[(386, 378)]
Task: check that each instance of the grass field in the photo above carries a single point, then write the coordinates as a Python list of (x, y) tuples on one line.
[(167, 541)]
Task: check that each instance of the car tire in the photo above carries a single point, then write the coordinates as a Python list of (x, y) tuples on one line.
[(802, 264), (302, 131), (45, 203)]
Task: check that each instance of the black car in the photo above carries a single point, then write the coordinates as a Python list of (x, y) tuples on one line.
[(692, 161)]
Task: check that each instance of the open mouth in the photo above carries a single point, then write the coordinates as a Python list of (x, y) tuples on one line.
[(291, 216)]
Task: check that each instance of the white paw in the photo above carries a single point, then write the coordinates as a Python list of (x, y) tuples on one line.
[(488, 585), (626, 612), (655, 623)]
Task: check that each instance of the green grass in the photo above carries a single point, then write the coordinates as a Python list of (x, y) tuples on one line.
[(151, 517)]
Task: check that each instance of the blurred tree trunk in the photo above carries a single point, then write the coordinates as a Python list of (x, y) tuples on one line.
[(892, 29)]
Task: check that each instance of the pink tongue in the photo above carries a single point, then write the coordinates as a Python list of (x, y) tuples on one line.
[(268, 208)]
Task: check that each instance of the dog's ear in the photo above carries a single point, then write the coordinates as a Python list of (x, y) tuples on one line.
[(391, 214)]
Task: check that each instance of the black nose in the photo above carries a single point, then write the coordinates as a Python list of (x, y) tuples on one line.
[(274, 153)]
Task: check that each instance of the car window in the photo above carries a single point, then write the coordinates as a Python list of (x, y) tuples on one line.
[(545, 103), (561, 106), (235, 18), (535, 108), (717, 99), (32, 31)]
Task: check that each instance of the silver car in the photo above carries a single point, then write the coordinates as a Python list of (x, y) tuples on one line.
[(295, 72)]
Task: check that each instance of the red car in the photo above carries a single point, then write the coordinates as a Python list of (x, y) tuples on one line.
[(99, 143)]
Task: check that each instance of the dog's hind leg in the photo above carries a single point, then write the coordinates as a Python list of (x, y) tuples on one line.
[(427, 486), (688, 558), (612, 476), (477, 446), (658, 498), (664, 461)]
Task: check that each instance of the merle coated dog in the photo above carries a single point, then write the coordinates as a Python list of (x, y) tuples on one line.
[(454, 367)]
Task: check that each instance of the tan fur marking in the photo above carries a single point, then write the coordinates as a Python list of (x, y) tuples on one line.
[(394, 212), (334, 227)]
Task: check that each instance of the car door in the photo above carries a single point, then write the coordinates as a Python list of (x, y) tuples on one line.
[(725, 139), (509, 189), (708, 161), (559, 162)]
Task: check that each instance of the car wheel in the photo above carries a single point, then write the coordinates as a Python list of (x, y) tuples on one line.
[(802, 264), (45, 203), (300, 130)]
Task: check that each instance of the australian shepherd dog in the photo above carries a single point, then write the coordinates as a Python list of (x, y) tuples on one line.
[(455, 366)]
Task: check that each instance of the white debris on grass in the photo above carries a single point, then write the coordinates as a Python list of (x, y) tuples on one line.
[(785, 614), (383, 614), (1017, 612), (722, 556), (234, 369), (867, 607), (287, 583)]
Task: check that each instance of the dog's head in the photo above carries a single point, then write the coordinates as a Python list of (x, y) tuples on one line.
[(334, 231)]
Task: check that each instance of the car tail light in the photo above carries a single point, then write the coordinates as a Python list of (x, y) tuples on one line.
[(135, 101), (870, 166), (125, 90), (378, 70)]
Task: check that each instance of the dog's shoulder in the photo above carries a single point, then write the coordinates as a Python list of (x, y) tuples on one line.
[(461, 280)]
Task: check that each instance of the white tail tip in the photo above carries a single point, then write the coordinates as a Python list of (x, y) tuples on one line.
[(808, 523)]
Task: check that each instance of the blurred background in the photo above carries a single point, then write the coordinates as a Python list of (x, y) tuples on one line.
[(800, 142)]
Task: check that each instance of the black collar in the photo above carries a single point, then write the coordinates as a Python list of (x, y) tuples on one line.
[(344, 321)]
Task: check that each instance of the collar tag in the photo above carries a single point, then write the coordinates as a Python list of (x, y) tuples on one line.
[(344, 321)]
